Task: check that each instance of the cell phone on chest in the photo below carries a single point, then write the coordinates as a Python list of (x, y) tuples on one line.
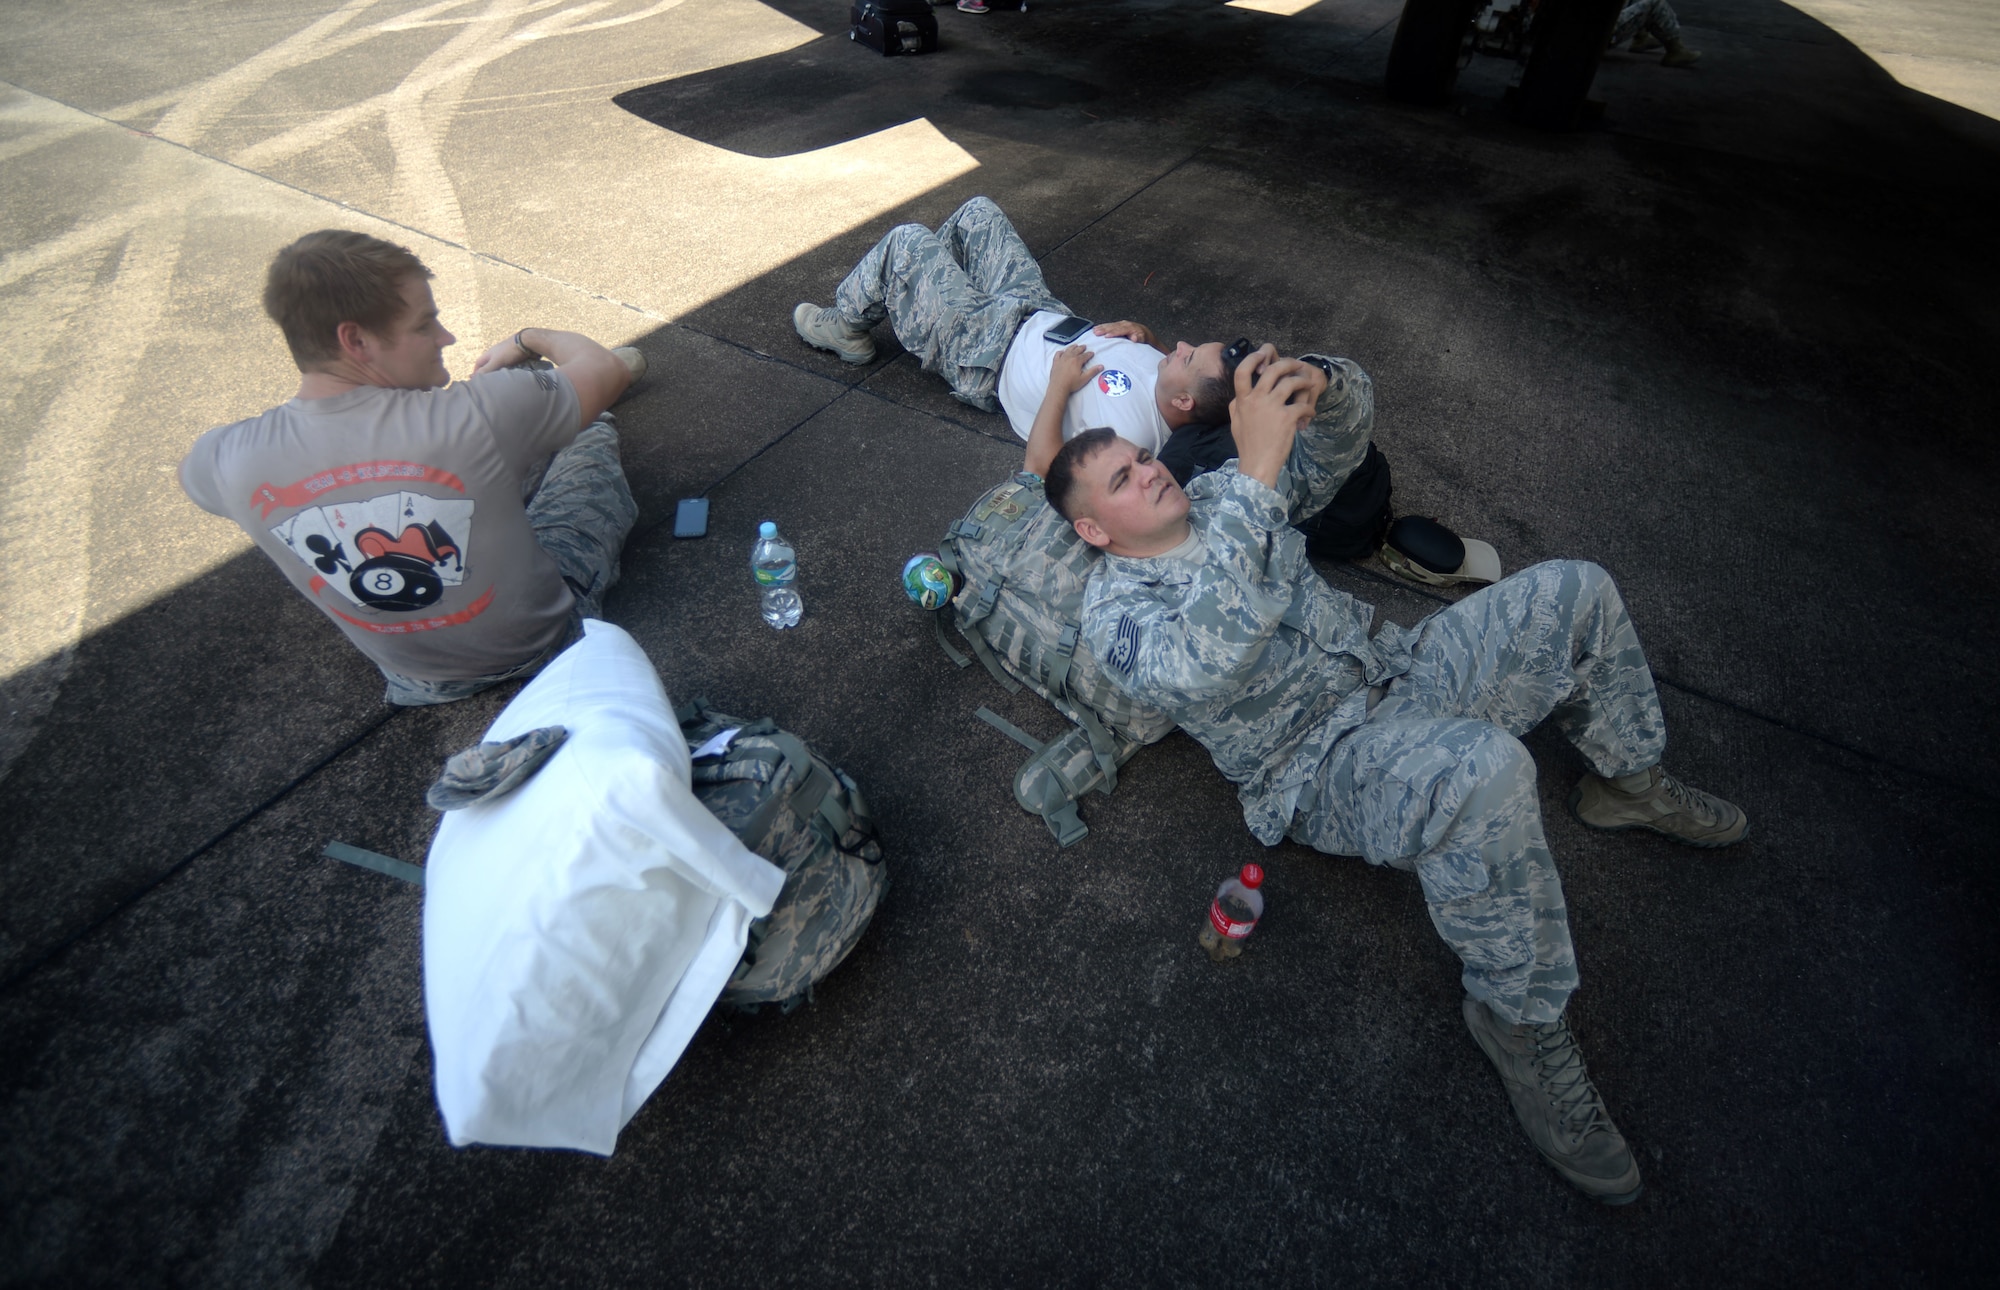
[(1066, 331)]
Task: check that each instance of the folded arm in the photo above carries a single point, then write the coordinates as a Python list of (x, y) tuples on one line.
[(598, 375)]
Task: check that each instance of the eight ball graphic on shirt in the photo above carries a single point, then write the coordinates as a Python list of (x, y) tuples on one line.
[(396, 553)]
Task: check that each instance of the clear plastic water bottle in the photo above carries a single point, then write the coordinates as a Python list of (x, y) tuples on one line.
[(776, 566), (1233, 914)]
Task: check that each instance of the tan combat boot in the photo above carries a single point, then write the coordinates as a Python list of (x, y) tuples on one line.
[(1557, 1105), (1667, 806)]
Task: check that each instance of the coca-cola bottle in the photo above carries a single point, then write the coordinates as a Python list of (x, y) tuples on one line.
[(1233, 914)]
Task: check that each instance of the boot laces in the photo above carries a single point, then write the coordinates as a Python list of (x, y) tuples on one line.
[(1560, 1071), (1691, 800)]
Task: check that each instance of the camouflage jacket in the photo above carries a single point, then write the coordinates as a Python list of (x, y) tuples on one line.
[(1239, 638)]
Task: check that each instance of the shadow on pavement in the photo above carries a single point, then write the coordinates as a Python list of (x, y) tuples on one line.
[(1750, 384)]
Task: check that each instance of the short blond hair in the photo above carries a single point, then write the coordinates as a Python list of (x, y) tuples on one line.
[(334, 276)]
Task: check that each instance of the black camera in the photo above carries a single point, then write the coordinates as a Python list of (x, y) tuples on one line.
[(1239, 349), (1232, 357)]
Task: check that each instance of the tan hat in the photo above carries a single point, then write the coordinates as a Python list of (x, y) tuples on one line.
[(1425, 551)]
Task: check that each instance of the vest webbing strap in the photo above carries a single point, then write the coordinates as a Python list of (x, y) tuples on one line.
[(374, 860), (1010, 730), (992, 662), (937, 625)]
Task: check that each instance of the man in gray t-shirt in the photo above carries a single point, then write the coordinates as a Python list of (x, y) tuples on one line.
[(458, 533)]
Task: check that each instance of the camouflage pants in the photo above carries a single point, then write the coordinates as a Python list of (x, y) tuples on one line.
[(1435, 780), (954, 297), (581, 508), (1655, 16)]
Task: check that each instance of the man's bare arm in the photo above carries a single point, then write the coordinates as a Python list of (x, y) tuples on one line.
[(1069, 371), (598, 375)]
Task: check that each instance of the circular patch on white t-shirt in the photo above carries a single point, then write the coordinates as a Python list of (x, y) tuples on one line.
[(1114, 382)]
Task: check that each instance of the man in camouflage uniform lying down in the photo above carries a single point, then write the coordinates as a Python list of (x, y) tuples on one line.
[(1401, 748)]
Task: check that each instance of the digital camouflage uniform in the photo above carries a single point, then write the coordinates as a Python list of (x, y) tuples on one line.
[(1400, 749), (581, 508), (954, 297), (1654, 16)]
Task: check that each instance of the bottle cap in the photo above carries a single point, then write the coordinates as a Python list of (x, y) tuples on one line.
[(1253, 876), (767, 529)]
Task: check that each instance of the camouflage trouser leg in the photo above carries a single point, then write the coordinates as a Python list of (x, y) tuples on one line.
[(1655, 16), (954, 297), (1453, 801), (1551, 641), (1436, 782), (580, 512)]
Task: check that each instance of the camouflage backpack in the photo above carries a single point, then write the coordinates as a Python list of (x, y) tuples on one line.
[(807, 817), (1021, 609)]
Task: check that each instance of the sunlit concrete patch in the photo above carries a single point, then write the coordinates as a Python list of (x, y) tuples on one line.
[(513, 146), (1949, 49), (1278, 8), (135, 324)]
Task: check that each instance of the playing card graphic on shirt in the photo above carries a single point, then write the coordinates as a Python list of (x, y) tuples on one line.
[(394, 552)]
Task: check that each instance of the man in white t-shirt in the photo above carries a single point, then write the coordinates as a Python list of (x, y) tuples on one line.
[(457, 533), (970, 302)]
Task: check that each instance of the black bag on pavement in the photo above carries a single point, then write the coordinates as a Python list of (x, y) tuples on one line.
[(893, 26), (1352, 525)]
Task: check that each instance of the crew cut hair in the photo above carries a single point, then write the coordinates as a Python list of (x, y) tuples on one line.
[(1212, 396), (1060, 488), (334, 276)]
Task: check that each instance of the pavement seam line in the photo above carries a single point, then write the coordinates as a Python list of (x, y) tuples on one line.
[(1109, 211), (411, 229), (145, 889)]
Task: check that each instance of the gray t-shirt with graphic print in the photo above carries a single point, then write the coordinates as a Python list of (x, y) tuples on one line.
[(399, 513)]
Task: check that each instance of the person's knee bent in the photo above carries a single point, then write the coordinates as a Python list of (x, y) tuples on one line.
[(977, 206), (1497, 760), (1490, 773), (1585, 583)]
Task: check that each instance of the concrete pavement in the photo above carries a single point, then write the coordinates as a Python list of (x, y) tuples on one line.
[(1732, 345)]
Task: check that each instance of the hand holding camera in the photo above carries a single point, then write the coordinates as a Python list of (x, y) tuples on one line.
[(1267, 414)]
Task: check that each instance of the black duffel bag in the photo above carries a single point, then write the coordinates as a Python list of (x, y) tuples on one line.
[(893, 26)]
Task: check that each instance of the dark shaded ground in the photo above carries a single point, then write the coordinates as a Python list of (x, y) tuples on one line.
[(1733, 346)]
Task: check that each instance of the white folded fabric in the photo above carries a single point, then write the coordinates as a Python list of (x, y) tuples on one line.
[(577, 930)]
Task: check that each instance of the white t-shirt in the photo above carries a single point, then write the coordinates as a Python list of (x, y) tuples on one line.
[(1120, 397), (398, 513)]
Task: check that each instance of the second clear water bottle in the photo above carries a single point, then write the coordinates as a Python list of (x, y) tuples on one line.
[(776, 566)]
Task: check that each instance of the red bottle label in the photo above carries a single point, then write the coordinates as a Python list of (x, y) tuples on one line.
[(1225, 925)]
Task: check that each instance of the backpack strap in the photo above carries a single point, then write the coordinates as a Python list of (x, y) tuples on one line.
[(948, 557), (1063, 821), (1102, 746), (988, 595), (374, 860), (812, 794), (938, 616), (1009, 729)]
